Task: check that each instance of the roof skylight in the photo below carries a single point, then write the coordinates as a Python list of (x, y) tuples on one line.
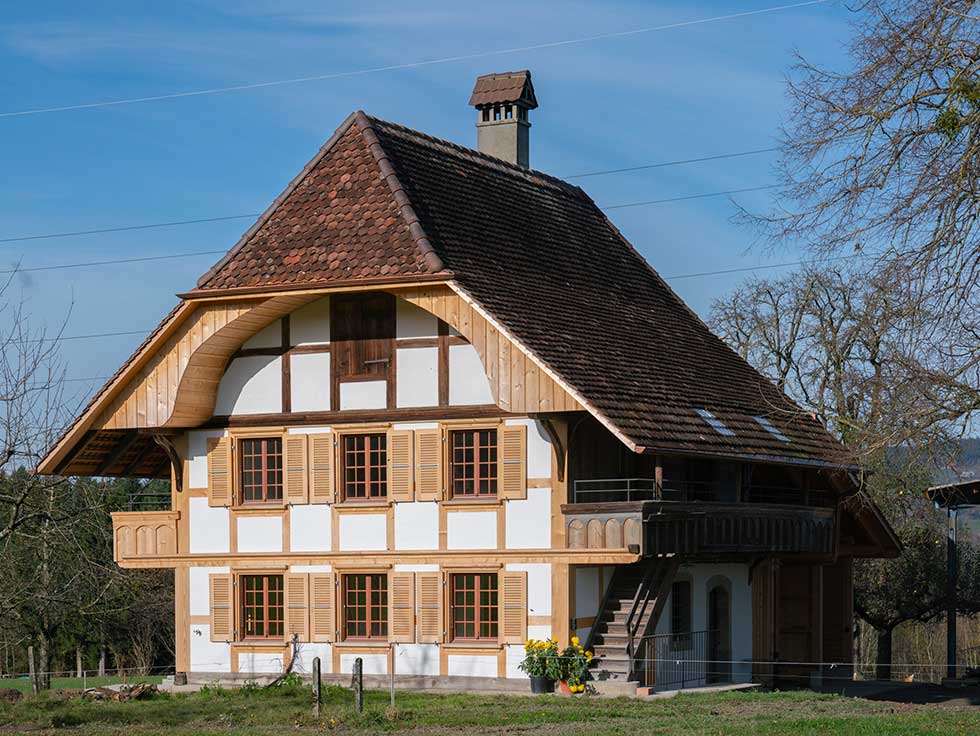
[(771, 429), (714, 422)]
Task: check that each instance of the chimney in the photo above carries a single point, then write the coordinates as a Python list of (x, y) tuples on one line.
[(502, 102)]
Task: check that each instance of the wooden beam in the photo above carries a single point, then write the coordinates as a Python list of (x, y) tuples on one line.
[(79, 449), (173, 457), (122, 447)]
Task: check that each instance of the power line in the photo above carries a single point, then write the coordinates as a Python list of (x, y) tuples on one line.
[(86, 264), (123, 228), (671, 163), (411, 65), (687, 196)]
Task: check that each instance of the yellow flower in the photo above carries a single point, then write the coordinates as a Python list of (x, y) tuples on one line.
[(575, 641)]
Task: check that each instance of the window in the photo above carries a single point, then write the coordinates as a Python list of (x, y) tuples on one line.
[(680, 614), (262, 606), (261, 469), (474, 606), (714, 422), (473, 464), (365, 467), (771, 429), (366, 606)]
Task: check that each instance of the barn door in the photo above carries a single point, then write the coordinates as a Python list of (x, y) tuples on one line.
[(362, 333)]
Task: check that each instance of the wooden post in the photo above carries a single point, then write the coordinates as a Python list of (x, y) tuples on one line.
[(950, 593), (359, 685), (102, 662), (30, 668), (316, 687), (78, 662), (391, 675)]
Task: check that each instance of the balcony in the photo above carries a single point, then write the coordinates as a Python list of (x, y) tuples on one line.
[(142, 534), (699, 519)]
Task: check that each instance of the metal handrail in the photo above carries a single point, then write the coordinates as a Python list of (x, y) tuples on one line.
[(148, 501), (631, 626), (629, 490)]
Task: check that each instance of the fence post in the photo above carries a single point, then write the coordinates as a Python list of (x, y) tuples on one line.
[(84, 679), (359, 685), (316, 687), (391, 675)]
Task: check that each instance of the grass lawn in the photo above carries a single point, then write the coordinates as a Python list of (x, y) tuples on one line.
[(75, 683), (288, 710)]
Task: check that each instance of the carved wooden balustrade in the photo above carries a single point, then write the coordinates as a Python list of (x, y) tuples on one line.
[(138, 534)]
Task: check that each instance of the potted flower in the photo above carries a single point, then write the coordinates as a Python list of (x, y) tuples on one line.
[(542, 665), (574, 666)]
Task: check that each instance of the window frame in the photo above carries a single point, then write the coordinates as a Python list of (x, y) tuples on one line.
[(478, 607), (240, 471), (342, 460), (494, 464), (368, 621), (265, 607)]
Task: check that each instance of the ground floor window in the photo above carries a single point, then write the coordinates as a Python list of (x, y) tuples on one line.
[(262, 606), (365, 606), (474, 606), (680, 614)]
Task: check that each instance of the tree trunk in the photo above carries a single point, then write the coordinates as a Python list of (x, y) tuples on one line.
[(30, 669), (883, 663), (43, 663), (78, 662), (102, 661)]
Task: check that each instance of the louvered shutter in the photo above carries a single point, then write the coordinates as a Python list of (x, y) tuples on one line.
[(401, 473), (294, 461), (222, 593), (512, 459), (323, 619), (513, 607), (322, 486), (220, 475), (401, 607), (297, 606), (428, 464), (429, 596)]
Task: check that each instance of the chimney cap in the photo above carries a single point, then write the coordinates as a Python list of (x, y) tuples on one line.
[(504, 87)]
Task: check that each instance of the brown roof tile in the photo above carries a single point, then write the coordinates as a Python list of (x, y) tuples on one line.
[(504, 87)]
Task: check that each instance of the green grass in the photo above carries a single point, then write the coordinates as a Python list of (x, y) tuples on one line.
[(261, 712), (76, 683)]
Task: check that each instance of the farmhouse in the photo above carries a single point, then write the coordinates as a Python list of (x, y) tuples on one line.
[(433, 404)]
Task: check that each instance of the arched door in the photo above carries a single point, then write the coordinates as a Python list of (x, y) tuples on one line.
[(719, 668)]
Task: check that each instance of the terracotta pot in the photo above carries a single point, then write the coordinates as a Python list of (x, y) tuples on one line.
[(541, 685), (564, 688)]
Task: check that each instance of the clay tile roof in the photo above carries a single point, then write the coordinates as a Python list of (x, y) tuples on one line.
[(491, 89)]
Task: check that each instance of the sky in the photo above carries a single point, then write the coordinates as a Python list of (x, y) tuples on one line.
[(621, 101)]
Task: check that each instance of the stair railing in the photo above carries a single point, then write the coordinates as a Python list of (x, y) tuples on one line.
[(658, 569), (603, 606)]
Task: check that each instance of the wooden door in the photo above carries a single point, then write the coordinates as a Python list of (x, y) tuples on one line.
[(798, 622), (362, 335), (719, 635)]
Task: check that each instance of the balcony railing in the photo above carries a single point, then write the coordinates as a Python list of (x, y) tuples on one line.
[(148, 501), (142, 534), (628, 490)]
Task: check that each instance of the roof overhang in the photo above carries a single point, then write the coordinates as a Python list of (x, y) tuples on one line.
[(955, 495)]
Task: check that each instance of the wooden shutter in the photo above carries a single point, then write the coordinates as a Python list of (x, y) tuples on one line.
[(513, 607), (322, 486), (323, 619), (401, 473), (297, 593), (428, 464), (401, 607), (512, 459), (430, 594), (294, 462), (220, 472), (222, 590)]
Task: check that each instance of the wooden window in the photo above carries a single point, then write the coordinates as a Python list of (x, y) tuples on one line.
[(262, 606), (473, 463), (366, 606), (474, 609), (261, 469), (680, 614), (365, 467)]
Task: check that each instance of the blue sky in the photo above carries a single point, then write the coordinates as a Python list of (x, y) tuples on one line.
[(685, 92)]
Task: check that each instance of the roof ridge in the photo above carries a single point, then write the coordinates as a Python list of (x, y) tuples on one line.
[(430, 258), (482, 158)]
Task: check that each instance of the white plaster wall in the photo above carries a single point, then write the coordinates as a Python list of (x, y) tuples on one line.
[(306, 653), (538, 586), (528, 520), (471, 530), (260, 534), (472, 665), (417, 525), (363, 532), (209, 527), (308, 430), (468, 383), (412, 321), (418, 377), (251, 385), (364, 395), (415, 425), (260, 662), (197, 457), (309, 528), (268, 337), (538, 448), (373, 664), (586, 592), (539, 632), (515, 655), (310, 325), (207, 655), (416, 659), (309, 381), (200, 589)]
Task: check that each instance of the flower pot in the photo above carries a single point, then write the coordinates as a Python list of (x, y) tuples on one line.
[(564, 688), (541, 684)]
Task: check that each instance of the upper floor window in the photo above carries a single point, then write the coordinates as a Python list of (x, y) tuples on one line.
[(262, 606), (365, 467), (473, 463), (474, 606), (365, 606), (261, 469)]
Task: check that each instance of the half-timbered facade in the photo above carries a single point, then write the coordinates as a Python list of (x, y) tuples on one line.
[(432, 404)]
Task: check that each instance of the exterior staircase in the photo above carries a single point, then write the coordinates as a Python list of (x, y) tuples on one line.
[(634, 601)]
